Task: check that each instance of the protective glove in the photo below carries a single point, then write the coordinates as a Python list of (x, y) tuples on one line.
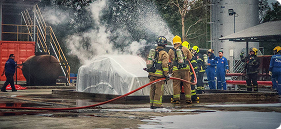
[(167, 78), (270, 73)]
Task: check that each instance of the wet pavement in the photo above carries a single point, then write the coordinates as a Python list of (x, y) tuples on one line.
[(233, 115)]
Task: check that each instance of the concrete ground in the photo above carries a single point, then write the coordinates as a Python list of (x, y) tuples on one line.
[(122, 115)]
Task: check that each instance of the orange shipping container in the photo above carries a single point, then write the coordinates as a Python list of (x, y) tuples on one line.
[(21, 49)]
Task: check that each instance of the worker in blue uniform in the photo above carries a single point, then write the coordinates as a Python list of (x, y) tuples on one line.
[(211, 69), (222, 67), (274, 83), (275, 69)]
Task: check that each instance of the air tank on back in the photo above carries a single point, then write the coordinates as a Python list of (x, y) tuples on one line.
[(41, 70)]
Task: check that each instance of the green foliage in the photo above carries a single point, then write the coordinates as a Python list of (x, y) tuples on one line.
[(273, 14), (198, 34)]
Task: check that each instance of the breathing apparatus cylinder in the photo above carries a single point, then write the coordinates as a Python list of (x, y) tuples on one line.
[(150, 58), (180, 56), (205, 57)]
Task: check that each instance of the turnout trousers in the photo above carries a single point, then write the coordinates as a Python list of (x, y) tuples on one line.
[(156, 92), (182, 74), (252, 79)]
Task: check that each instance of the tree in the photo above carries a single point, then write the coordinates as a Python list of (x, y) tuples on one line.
[(196, 30), (183, 8), (273, 14)]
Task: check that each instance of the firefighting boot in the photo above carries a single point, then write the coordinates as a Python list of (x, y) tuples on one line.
[(249, 88), (188, 102), (174, 101), (255, 88)]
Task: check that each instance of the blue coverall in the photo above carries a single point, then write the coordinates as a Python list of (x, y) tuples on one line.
[(275, 68), (210, 71), (222, 65)]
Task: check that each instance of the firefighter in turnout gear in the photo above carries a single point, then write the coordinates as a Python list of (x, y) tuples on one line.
[(179, 56), (201, 71), (251, 68), (275, 68), (186, 44), (157, 66), (193, 62)]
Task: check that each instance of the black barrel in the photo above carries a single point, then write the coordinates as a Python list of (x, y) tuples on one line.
[(41, 70)]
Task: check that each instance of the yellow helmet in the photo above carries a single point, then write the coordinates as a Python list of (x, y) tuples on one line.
[(254, 50), (196, 48), (186, 44), (176, 39), (210, 51), (277, 49)]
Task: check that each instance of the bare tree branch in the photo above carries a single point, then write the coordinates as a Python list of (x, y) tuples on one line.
[(193, 32), (192, 25), (197, 36)]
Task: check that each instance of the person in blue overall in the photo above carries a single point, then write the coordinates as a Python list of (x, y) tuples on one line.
[(275, 69), (211, 69), (222, 66), (9, 71), (274, 83)]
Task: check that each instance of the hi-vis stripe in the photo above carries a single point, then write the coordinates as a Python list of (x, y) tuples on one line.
[(165, 69), (188, 96), (176, 96), (159, 72)]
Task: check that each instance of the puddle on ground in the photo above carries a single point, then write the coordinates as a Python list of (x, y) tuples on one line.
[(246, 105), (217, 120)]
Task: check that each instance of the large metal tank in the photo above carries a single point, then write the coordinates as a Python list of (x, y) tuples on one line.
[(222, 24), (41, 70)]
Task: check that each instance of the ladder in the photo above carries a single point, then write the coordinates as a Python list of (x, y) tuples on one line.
[(45, 38)]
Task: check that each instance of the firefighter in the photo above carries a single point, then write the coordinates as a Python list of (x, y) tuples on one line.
[(157, 69), (179, 56), (251, 68), (275, 68), (186, 44), (193, 62), (201, 71), (274, 83), (222, 67), (211, 68)]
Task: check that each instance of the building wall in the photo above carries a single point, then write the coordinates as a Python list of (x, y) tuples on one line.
[(222, 24)]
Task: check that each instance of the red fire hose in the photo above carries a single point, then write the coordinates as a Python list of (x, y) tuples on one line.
[(105, 102)]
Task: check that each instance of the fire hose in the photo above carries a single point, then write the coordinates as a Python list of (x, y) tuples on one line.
[(105, 102)]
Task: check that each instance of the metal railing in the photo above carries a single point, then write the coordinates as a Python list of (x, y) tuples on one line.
[(46, 39)]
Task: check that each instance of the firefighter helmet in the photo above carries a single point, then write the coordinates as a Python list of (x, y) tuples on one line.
[(161, 41), (277, 49), (186, 44), (177, 39), (195, 48), (253, 49)]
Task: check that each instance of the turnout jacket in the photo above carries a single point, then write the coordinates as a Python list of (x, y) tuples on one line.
[(186, 53), (162, 61), (252, 64)]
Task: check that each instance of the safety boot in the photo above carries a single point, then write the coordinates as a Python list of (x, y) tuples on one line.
[(188, 102), (255, 88), (249, 88), (174, 101)]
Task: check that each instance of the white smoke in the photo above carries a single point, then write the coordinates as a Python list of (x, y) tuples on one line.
[(99, 36), (54, 16)]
